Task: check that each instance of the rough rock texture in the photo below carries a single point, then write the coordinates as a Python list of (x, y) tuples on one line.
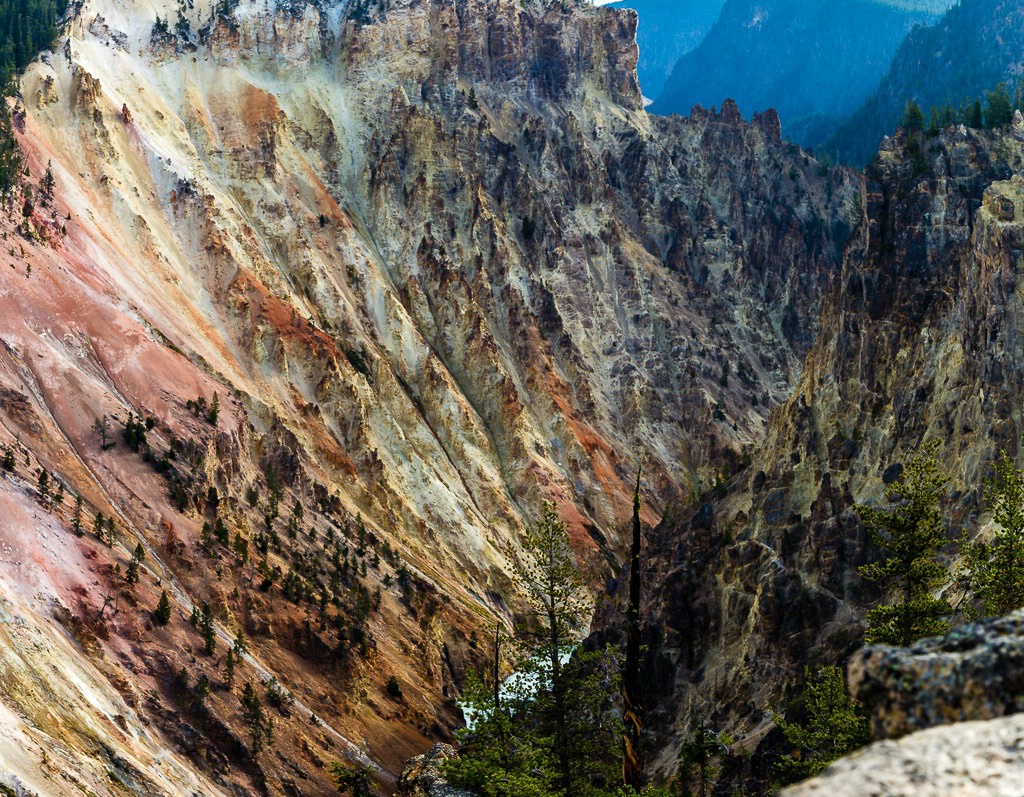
[(972, 759), (976, 672), (437, 265), (921, 337), (422, 776)]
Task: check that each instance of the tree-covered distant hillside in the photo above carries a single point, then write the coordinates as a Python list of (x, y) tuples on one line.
[(972, 48), (814, 61), (668, 30), (26, 27)]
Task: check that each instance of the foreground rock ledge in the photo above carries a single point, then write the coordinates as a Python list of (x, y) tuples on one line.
[(975, 672), (969, 759)]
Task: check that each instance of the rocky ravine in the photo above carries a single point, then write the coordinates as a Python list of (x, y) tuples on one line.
[(437, 265), (920, 339)]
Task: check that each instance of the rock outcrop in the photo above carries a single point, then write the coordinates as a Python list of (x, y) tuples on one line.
[(422, 776), (950, 697), (972, 759), (976, 672)]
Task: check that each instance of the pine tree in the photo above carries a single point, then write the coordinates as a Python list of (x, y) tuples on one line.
[(98, 525), (834, 725), (994, 571), (9, 460), (909, 536), (138, 556), (998, 107), (261, 728), (631, 768), (208, 630), (76, 518), (351, 780), (162, 613), (559, 738), (214, 411), (973, 117), (229, 669), (699, 755), (913, 118), (44, 486)]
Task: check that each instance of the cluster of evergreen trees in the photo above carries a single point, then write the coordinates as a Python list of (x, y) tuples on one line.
[(26, 27), (560, 731)]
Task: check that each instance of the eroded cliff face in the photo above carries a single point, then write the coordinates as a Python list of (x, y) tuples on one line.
[(437, 265), (919, 340)]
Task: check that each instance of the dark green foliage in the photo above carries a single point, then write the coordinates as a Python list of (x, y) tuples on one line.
[(994, 571), (394, 689), (162, 613), (563, 739), (134, 433), (913, 119), (973, 116), (76, 518), (138, 557), (832, 726), (214, 411), (909, 537), (699, 757), (43, 485), (998, 107), (26, 27), (9, 459), (261, 727), (354, 781), (207, 629)]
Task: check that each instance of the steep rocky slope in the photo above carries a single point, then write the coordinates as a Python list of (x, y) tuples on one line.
[(920, 340), (435, 264)]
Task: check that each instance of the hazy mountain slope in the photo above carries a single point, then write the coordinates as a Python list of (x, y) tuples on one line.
[(812, 60), (921, 339), (976, 45), (437, 266), (668, 29)]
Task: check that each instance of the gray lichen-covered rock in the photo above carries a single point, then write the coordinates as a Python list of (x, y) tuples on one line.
[(422, 775), (976, 672), (974, 759)]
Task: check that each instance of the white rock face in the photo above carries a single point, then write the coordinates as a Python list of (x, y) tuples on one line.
[(970, 759)]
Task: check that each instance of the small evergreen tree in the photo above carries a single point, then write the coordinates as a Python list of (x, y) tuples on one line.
[(98, 525), (994, 571), (44, 485), (699, 758), (76, 518), (973, 117), (261, 727), (229, 669), (351, 780), (9, 460), (162, 613), (208, 630), (909, 536), (138, 556), (214, 411), (998, 107), (913, 118), (834, 725)]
